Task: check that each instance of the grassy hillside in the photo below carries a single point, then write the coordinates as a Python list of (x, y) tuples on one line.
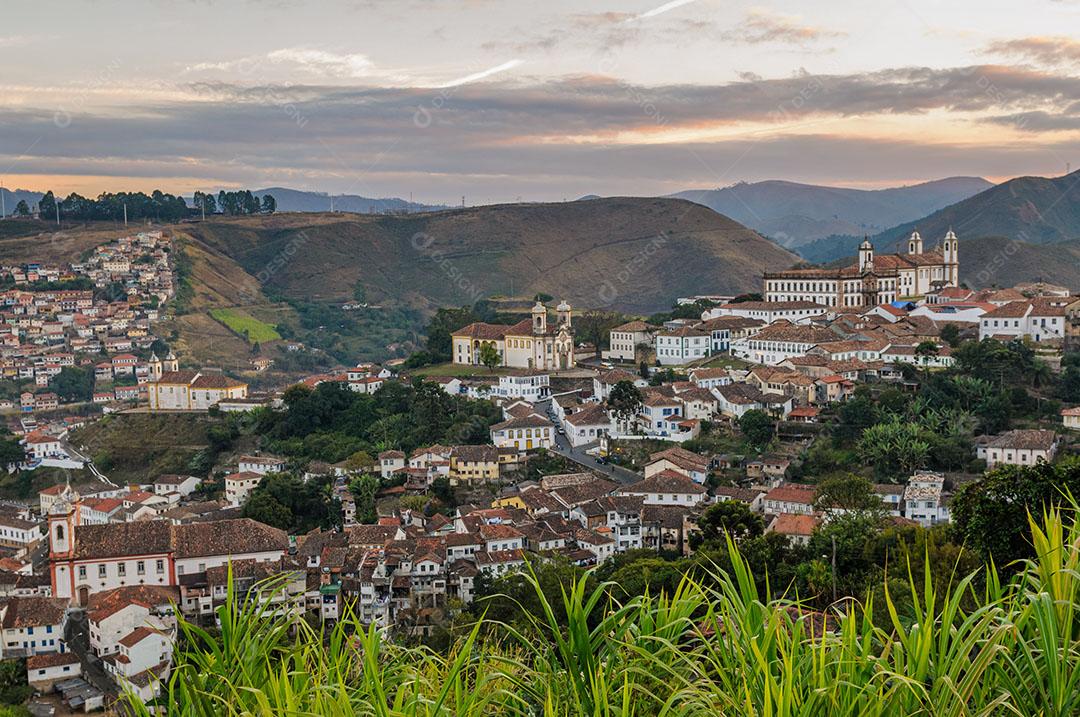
[(630, 253), (139, 447), (31, 240), (244, 324)]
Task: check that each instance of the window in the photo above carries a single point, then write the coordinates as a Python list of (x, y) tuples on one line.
[(140, 567), (101, 571), (160, 566), (82, 571), (121, 569)]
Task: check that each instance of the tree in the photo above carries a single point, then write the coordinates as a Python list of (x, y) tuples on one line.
[(856, 415), (926, 350), (269, 204), (439, 329), (359, 293), (359, 461), (22, 209), (265, 508), (595, 327), (625, 400), (73, 384), (729, 517), (758, 427), (12, 452), (950, 334), (47, 206), (895, 447), (848, 493), (489, 355), (364, 489), (991, 515)]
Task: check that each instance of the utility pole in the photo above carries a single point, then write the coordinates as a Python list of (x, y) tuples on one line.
[(125, 214), (57, 205), (202, 206), (331, 202), (3, 203), (834, 568)]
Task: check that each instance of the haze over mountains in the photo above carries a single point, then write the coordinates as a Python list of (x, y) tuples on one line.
[(1025, 210), (793, 214), (296, 200), (13, 197)]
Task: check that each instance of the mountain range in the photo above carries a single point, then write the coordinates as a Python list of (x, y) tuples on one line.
[(793, 214), (13, 197), (296, 200)]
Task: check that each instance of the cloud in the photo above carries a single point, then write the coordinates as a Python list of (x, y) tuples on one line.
[(305, 60), (762, 26), (1053, 51), (547, 138)]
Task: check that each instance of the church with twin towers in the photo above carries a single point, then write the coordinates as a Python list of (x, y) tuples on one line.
[(874, 278)]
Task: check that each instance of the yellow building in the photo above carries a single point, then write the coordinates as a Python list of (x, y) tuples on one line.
[(192, 390), (474, 464), (529, 344)]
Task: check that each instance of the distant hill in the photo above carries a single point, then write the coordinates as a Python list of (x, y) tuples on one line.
[(295, 200), (11, 198), (634, 254), (794, 214), (1037, 210)]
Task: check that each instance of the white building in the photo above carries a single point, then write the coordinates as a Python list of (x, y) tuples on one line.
[(625, 340), (114, 614), (184, 485), (88, 559), (143, 663), (390, 462), (676, 347), (872, 279), (525, 433), (796, 312), (789, 498), (667, 487), (263, 465), (528, 344), (531, 387), (1022, 447), (239, 486), (924, 499), (1042, 319), (604, 381), (32, 626), (587, 425), (1070, 418)]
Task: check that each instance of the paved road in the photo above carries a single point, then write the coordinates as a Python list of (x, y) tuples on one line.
[(579, 456), (77, 638)]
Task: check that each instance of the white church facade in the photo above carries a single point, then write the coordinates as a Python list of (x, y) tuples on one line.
[(872, 280)]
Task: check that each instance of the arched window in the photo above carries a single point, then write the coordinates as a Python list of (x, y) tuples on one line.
[(59, 532)]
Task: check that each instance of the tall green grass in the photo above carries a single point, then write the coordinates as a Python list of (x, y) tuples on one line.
[(1000, 649)]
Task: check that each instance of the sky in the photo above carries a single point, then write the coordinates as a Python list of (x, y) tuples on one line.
[(499, 101)]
